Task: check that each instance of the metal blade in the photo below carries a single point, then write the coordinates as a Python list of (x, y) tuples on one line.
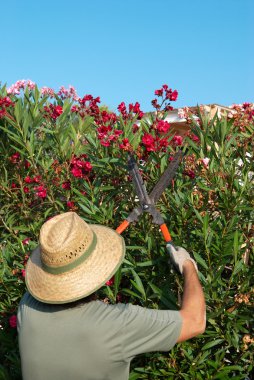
[(138, 181), (166, 177), (155, 194)]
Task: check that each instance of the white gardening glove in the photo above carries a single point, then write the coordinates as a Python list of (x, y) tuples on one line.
[(178, 256)]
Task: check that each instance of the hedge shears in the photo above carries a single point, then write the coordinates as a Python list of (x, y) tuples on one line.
[(147, 202)]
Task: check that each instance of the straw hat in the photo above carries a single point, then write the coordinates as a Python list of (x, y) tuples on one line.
[(73, 259)]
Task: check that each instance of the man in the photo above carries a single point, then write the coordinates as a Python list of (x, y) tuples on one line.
[(93, 340)]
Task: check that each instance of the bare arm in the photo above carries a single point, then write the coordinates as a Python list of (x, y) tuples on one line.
[(193, 304)]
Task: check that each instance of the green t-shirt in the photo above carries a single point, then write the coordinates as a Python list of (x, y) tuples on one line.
[(92, 341)]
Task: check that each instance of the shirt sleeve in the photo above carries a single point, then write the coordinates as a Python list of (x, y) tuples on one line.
[(148, 330)]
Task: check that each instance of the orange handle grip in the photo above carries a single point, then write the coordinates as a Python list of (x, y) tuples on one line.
[(122, 226), (165, 232)]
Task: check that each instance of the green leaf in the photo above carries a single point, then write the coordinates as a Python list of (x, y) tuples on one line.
[(211, 344)]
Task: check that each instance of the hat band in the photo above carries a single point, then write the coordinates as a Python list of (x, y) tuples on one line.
[(74, 264)]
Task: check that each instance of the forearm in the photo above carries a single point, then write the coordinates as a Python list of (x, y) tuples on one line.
[(193, 296), (193, 302)]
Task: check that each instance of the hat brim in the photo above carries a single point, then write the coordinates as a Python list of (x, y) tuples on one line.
[(82, 281)]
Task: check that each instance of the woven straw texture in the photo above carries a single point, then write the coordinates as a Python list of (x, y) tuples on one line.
[(87, 277)]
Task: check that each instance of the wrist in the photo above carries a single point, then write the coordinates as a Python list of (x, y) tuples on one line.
[(188, 266)]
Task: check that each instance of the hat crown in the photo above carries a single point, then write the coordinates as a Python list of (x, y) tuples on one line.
[(63, 239)]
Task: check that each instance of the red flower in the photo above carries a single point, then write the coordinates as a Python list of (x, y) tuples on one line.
[(37, 179), (177, 140), (26, 189), (122, 108), (105, 142), (41, 191), (155, 103), (111, 281), (28, 179), (5, 103), (58, 110), (125, 145), (87, 166), (74, 109), (194, 138), (190, 173), (15, 158), (70, 204), (13, 321), (23, 272), (163, 143), (76, 172), (147, 139), (26, 241), (66, 185), (163, 126), (14, 186), (158, 92), (173, 96), (117, 132), (27, 164), (53, 111)]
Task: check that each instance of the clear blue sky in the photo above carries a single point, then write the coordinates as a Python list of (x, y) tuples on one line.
[(122, 50)]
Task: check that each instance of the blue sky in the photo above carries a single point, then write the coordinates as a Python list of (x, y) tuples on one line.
[(124, 50)]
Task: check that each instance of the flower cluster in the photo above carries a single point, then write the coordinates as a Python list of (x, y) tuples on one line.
[(47, 91), (80, 167), (20, 85), (88, 106), (134, 111), (242, 115), (167, 95), (70, 92), (53, 111), (5, 103)]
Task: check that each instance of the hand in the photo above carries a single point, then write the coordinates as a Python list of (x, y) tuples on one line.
[(178, 256)]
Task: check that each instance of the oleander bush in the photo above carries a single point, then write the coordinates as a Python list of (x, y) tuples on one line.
[(60, 152)]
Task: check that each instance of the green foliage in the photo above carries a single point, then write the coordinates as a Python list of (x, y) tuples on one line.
[(209, 212)]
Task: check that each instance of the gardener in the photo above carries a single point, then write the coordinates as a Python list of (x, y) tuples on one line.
[(64, 334)]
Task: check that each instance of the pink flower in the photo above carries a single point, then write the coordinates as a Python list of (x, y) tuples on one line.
[(205, 162), (47, 91), (23, 272), (13, 321), (177, 140), (20, 85)]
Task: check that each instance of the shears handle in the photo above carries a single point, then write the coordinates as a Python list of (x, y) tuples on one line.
[(164, 229), (165, 233), (122, 226)]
